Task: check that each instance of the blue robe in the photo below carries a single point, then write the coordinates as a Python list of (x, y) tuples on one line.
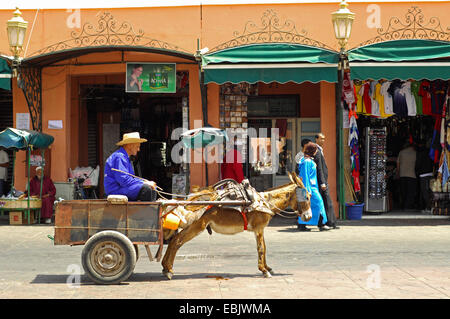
[(308, 173)]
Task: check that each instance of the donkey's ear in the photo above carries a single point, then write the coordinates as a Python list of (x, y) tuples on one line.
[(299, 181), (291, 178)]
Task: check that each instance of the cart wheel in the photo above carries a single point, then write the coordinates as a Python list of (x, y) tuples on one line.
[(108, 257)]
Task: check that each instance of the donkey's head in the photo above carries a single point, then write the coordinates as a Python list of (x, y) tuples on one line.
[(302, 198)]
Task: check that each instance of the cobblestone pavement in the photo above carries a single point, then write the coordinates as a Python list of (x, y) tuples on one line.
[(368, 259)]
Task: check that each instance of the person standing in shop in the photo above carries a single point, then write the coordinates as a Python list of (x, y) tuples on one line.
[(308, 174), (406, 164), (322, 178), (424, 171)]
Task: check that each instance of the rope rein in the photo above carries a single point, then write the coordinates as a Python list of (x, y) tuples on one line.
[(279, 209)]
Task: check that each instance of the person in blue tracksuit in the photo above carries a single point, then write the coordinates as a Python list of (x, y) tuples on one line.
[(308, 173)]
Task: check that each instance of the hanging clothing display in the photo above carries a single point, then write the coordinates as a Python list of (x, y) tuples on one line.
[(410, 100), (425, 93), (349, 95), (438, 94), (399, 99), (415, 86), (367, 101), (359, 101), (387, 98), (382, 98)]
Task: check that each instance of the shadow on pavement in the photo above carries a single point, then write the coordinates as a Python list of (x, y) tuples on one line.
[(291, 224), (145, 277), (395, 222)]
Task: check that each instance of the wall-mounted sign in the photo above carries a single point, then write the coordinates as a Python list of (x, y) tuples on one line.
[(23, 121), (55, 124), (151, 78)]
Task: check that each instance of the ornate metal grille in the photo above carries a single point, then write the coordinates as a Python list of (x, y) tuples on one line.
[(272, 30), (30, 81), (108, 32), (414, 27)]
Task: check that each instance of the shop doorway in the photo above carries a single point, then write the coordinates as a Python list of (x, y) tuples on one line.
[(107, 112), (386, 194)]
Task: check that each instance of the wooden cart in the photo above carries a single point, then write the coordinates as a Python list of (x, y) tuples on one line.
[(111, 233)]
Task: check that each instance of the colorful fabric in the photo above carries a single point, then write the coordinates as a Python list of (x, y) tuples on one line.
[(373, 100), (425, 93), (410, 100), (399, 100), (438, 94), (415, 87), (365, 93), (232, 166), (359, 99), (387, 98)]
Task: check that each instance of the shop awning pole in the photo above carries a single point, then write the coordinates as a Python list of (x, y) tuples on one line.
[(29, 190), (204, 99), (340, 157), (12, 177), (42, 172)]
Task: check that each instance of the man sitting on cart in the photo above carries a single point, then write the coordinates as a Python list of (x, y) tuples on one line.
[(119, 176)]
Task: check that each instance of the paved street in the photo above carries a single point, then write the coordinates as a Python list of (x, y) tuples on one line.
[(368, 259)]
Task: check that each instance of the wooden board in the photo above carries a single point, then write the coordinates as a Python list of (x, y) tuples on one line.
[(76, 221)]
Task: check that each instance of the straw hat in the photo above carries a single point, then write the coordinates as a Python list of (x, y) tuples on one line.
[(130, 138)]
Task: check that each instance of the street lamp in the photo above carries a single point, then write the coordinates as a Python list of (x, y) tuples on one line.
[(342, 24), (16, 27)]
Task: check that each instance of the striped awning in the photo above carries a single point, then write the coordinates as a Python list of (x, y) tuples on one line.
[(5, 75), (271, 62)]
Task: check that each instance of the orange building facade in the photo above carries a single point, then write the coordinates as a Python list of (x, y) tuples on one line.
[(82, 56)]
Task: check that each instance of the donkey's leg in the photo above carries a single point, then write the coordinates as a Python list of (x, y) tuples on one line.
[(179, 240), (261, 247), (265, 259)]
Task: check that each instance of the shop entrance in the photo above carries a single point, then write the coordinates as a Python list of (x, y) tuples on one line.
[(382, 190), (107, 112)]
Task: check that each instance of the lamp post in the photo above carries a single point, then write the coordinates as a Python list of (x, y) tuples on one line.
[(16, 28), (342, 24)]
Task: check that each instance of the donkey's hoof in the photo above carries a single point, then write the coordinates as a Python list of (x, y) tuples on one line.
[(267, 274), (168, 274)]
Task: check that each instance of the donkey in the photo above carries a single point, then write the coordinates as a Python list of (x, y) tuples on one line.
[(225, 220)]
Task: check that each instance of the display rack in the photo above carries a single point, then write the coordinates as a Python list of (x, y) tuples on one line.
[(375, 186)]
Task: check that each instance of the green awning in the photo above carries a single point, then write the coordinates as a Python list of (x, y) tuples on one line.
[(271, 62), (401, 59), (400, 70), (5, 75), (401, 50), (204, 136), (12, 138)]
